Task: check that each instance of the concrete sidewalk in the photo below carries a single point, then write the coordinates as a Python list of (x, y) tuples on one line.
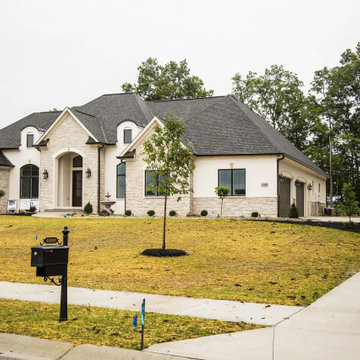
[(262, 314), (327, 329)]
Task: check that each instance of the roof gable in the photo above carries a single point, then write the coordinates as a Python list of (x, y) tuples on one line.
[(56, 123)]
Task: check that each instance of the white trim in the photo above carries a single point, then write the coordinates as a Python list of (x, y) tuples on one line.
[(67, 150), (57, 121)]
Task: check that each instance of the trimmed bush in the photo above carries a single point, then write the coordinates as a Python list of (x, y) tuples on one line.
[(151, 213), (128, 213), (172, 213), (203, 213), (294, 212), (255, 214), (2, 193), (88, 208)]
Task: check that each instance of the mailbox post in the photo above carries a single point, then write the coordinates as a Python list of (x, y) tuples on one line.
[(51, 259), (63, 300)]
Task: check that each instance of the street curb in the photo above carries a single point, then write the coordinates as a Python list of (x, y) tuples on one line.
[(19, 347)]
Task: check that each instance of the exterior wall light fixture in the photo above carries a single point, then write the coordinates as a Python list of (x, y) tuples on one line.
[(309, 186), (45, 174), (88, 173)]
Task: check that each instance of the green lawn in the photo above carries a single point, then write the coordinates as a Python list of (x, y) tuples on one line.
[(228, 259), (106, 327)]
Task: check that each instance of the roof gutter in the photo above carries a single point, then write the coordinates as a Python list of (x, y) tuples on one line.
[(99, 178), (282, 157)]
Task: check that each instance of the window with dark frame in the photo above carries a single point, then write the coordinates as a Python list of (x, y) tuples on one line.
[(234, 179), (120, 180), (29, 182), (151, 180), (127, 136), (29, 140), (77, 162)]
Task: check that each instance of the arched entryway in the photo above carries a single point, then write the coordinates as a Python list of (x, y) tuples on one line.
[(70, 180)]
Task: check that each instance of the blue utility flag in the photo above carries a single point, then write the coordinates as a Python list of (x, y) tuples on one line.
[(135, 321), (143, 313)]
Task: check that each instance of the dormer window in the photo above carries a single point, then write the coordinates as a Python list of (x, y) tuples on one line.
[(127, 136), (29, 140)]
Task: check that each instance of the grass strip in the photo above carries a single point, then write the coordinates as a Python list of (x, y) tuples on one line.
[(106, 327)]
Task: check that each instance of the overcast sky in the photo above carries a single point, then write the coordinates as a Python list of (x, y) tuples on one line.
[(64, 53)]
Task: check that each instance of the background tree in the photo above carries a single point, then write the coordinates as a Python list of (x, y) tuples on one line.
[(171, 81), (335, 109), (222, 192), (349, 205), (170, 161), (277, 97)]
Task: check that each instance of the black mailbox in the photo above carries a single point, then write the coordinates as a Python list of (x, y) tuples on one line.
[(50, 260)]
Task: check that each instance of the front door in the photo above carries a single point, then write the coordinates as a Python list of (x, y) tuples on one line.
[(284, 200), (300, 197), (77, 188)]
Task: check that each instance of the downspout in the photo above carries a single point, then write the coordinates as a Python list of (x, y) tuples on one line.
[(277, 183), (99, 178)]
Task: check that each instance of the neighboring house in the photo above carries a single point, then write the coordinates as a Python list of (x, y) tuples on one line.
[(65, 159)]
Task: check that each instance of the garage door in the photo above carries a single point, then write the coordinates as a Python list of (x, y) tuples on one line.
[(284, 196), (300, 197)]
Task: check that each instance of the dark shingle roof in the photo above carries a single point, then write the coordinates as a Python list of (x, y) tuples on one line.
[(215, 125), (10, 135), (4, 161), (110, 110), (225, 126)]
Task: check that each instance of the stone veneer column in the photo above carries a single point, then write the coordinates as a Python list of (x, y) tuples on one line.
[(68, 136), (4, 185)]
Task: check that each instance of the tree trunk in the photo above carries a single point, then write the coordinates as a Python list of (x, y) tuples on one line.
[(164, 230), (330, 165)]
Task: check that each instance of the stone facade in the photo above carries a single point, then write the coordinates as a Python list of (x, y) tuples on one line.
[(4, 185), (68, 136), (317, 208), (138, 203), (237, 206)]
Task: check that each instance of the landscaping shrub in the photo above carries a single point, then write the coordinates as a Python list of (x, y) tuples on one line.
[(255, 214), (151, 213), (294, 212), (2, 193), (203, 213), (128, 213), (172, 213), (88, 209)]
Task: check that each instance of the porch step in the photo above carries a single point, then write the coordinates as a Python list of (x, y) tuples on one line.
[(65, 210)]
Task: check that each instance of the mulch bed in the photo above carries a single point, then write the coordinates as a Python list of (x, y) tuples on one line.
[(163, 253), (353, 227)]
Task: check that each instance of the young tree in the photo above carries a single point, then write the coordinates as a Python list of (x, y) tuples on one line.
[(221, 192), (349, 205), (171, 81), (170, 161)]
